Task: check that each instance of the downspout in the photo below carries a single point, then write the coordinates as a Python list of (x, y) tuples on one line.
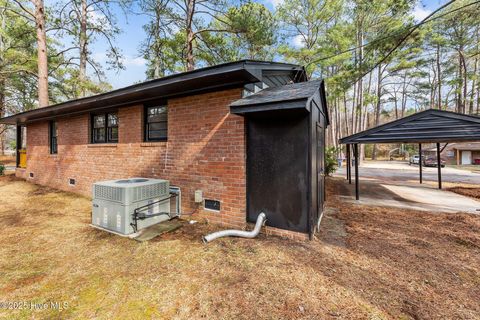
[(262, 218)]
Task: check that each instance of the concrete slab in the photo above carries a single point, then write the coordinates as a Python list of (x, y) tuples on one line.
[(158, 229), (434, 198), (410, 197), (401, 171)]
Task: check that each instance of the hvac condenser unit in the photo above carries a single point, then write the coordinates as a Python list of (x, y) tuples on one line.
[(128, 205)]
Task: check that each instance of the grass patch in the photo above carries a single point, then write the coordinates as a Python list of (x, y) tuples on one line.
[(368, 262)]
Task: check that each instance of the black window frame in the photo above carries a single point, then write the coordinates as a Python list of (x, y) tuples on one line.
[(53, 136), (111, 128), (147, 124), (107, 128)]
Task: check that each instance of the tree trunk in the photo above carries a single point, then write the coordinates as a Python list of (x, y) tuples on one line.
[(460, 104), (190, 35), (340, 124), (2, 111), (396, 105), (334, 130), (433, 86), (42, 53), (360, 82), (439, 79), (432, 96), (465, 84), (472, 93), (456, 92), (354, 105), (82, 70), (378, 106), (158, 69), (2, 85), (365, 121), (404, 95), (478, 98), (347, 132)]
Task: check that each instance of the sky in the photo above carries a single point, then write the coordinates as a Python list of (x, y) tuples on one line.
[(133, 34)]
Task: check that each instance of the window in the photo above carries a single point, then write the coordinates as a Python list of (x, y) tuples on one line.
[(98, 134), (156, 123), (112, 127), (105, 128), (53, 137)]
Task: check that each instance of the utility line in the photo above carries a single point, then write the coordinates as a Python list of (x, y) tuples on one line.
[(402, 40), (413, 28)]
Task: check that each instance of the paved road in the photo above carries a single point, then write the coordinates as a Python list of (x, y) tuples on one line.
[(401, 171)]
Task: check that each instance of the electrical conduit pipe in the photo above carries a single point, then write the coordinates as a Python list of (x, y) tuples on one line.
[(262, 218)]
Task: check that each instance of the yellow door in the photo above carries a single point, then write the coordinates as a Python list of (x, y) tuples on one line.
[(22, 154)]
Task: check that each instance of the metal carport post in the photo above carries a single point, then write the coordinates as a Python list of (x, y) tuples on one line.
[(355, 151), (349, 165), (420, 162), (357, 158), (439, 166)]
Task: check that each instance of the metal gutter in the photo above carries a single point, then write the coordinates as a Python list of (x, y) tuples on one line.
[(283, 105)]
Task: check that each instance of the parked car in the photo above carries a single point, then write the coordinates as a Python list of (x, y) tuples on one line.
[(415, 159), (432, 162)]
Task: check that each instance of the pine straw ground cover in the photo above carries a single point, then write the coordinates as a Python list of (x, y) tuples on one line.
[(466, 191), (369, 263)]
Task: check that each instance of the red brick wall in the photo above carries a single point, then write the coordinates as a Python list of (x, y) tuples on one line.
[(205, 150)]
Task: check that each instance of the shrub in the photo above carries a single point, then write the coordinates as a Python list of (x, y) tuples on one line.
[(2, 169), (331, 160)]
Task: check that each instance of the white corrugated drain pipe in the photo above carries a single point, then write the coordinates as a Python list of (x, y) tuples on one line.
[(262, 218)]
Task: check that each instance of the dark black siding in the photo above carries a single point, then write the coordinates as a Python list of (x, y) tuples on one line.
[(278, 170), (285, 154), (318, 124)]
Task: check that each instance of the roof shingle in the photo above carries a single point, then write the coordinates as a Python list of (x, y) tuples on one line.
[(295, 91)]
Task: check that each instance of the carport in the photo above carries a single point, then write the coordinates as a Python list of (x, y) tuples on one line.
[(429, 126)]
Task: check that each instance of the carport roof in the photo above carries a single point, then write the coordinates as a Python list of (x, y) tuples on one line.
[(422, 127)]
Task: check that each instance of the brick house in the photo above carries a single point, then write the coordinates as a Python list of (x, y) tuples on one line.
[(249, 134), (461, 153)]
